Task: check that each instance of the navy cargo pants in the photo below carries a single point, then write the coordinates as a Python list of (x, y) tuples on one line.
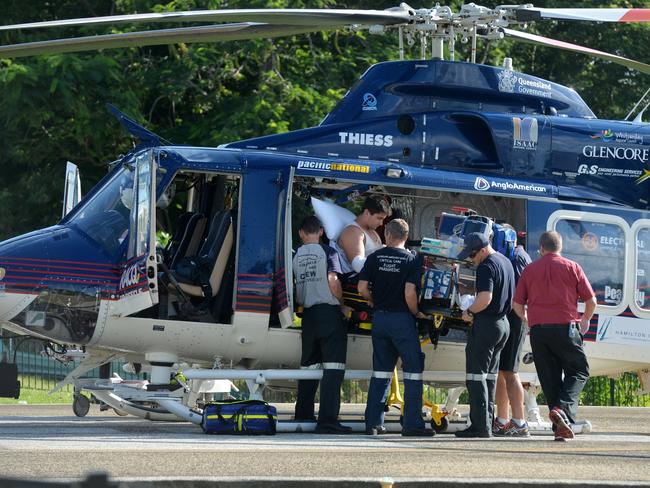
[(324, 346), (486, 338), (394, 334)]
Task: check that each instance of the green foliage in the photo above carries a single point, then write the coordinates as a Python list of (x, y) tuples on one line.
[(602, 391), (52, 108)]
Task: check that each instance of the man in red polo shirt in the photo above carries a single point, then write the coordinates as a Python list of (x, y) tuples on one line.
[(550, 288)]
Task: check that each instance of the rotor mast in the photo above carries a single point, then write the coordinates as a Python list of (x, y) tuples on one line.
[(440, 25)]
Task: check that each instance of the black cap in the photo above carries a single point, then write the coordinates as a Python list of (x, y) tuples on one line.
[(474, 242)]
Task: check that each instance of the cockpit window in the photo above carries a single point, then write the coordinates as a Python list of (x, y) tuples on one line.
[(104, 218)]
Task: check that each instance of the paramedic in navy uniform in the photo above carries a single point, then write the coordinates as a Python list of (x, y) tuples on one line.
[(389, 281), (324, 339), (495, 289)]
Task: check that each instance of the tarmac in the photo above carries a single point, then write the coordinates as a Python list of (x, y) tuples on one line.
[(48, 443)]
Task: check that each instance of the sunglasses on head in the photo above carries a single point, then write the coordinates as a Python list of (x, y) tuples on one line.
[(473, 254)]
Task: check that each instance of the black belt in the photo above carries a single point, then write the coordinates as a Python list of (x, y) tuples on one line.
[(548, 326)]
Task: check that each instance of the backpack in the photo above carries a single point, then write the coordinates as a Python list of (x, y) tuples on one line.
[(504, 241)]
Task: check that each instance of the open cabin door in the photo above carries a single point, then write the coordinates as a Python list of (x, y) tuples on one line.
[(72, 188), (138, 286), (284, 273)]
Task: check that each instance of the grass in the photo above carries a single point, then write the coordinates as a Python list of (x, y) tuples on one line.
[(38, 395), (32, 397)]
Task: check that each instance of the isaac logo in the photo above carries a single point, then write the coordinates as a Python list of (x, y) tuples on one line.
[(369, 102), (524, 133), (481, 184)]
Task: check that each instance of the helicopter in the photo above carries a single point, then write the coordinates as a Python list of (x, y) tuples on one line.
[(432, 134)]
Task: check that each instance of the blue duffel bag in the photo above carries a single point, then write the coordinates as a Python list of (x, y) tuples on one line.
[(247, 417)]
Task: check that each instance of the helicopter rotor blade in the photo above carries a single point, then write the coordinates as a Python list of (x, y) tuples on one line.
[(211, 33), (546, 41), (305, 17), (531, 14)]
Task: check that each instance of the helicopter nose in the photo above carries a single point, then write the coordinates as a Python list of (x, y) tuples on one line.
[(19, 280), (47, 291)]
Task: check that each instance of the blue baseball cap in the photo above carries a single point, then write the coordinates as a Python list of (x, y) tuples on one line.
[(474, 242)]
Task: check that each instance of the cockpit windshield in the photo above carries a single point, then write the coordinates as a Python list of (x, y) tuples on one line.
[(105, 216)]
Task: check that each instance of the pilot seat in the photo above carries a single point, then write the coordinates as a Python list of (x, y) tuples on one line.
[(195, 279)]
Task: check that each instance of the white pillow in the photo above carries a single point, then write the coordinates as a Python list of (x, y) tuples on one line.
[(333, 217)]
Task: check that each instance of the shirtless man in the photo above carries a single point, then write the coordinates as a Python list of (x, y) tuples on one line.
[(360, 238)]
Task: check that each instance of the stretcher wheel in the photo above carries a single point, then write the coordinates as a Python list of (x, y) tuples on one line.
[(80, 405), (438, 428)]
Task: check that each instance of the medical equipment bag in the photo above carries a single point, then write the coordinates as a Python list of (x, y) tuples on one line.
[(244, 417)]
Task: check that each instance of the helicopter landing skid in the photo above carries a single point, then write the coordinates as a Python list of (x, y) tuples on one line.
[(128, 397)]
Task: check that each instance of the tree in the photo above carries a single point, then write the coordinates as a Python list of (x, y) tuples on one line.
[(53, 107)]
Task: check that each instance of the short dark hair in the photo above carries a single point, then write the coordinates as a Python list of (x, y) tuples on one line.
[(551, 241), (398, 228), (376, 204), (311, 225)]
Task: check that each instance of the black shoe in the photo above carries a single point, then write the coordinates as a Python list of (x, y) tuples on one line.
[(377, 430), (473, 434), (333, 429), (418, 432)]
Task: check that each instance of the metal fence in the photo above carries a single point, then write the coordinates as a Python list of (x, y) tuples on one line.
[(39, 372)]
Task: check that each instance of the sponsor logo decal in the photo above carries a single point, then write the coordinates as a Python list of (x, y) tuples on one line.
[(3, 272), (613, 295), (622, 330), (130, 276), (611, 241), (482, 184), (643, 177), (616, 152), (509, 82), (594, 169), (325, 166), (590, 241), (362, 139), (608, 135), (524, 133), (369, 102)]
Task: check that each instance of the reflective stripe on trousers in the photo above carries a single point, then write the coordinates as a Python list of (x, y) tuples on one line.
[(382, 374), (340, 366), (481, 376), (389, 375), (413, 376)]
